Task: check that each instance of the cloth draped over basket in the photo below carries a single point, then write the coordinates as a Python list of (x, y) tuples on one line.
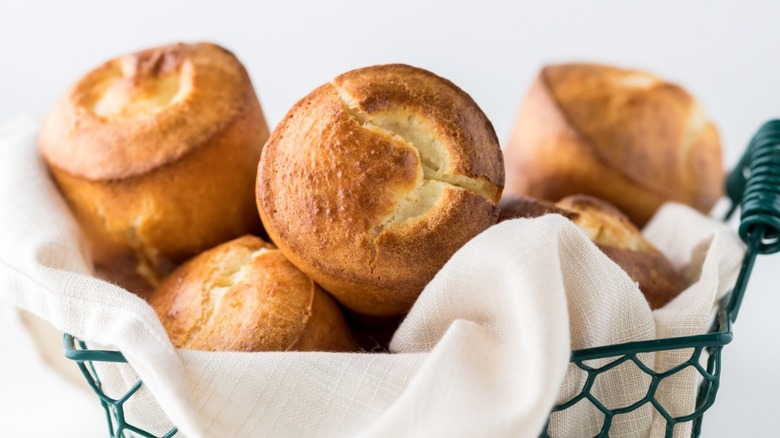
[(484, 351)]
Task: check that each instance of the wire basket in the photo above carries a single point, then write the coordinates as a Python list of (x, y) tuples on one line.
[(754, 185)]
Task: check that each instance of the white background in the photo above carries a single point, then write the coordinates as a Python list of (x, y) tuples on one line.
[(724, 52)]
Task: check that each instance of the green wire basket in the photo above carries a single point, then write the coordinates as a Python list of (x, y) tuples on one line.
[(754, 185)]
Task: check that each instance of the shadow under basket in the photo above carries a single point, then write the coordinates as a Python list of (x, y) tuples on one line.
[(753, 186)]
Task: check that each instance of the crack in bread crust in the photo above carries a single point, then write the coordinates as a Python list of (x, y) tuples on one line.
[(405, 129), (225, 277)]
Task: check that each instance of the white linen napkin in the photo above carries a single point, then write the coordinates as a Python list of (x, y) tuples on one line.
[(484, 351)]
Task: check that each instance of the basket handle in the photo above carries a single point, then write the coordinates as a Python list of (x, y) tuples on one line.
[(754, 185)]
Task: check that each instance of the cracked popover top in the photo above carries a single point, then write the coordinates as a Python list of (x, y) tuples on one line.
[(371, 182), (244, 295), (156, 154)]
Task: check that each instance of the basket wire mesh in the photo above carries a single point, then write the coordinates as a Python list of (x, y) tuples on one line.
[(754, 186)]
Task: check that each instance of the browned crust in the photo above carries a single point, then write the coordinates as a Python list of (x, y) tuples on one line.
[(581, 129), (622, 242), (515, 207), (137, 211), (272, 307), (450, 112), (606, 224), (76, 139), (326, 183), (656, 277)]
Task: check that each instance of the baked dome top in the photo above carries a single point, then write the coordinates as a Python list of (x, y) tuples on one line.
[(141, 111)]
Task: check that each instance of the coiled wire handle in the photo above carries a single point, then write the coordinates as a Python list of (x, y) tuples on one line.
[(755, 186)]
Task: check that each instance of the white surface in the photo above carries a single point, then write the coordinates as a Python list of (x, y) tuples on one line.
[(36, 402), (724, 52)]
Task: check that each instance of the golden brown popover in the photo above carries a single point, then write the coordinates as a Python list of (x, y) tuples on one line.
[(156, 153), (371, 182), (244, 295), (624, 136)]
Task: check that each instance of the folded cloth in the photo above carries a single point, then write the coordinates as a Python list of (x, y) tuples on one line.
[(483, 352)]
